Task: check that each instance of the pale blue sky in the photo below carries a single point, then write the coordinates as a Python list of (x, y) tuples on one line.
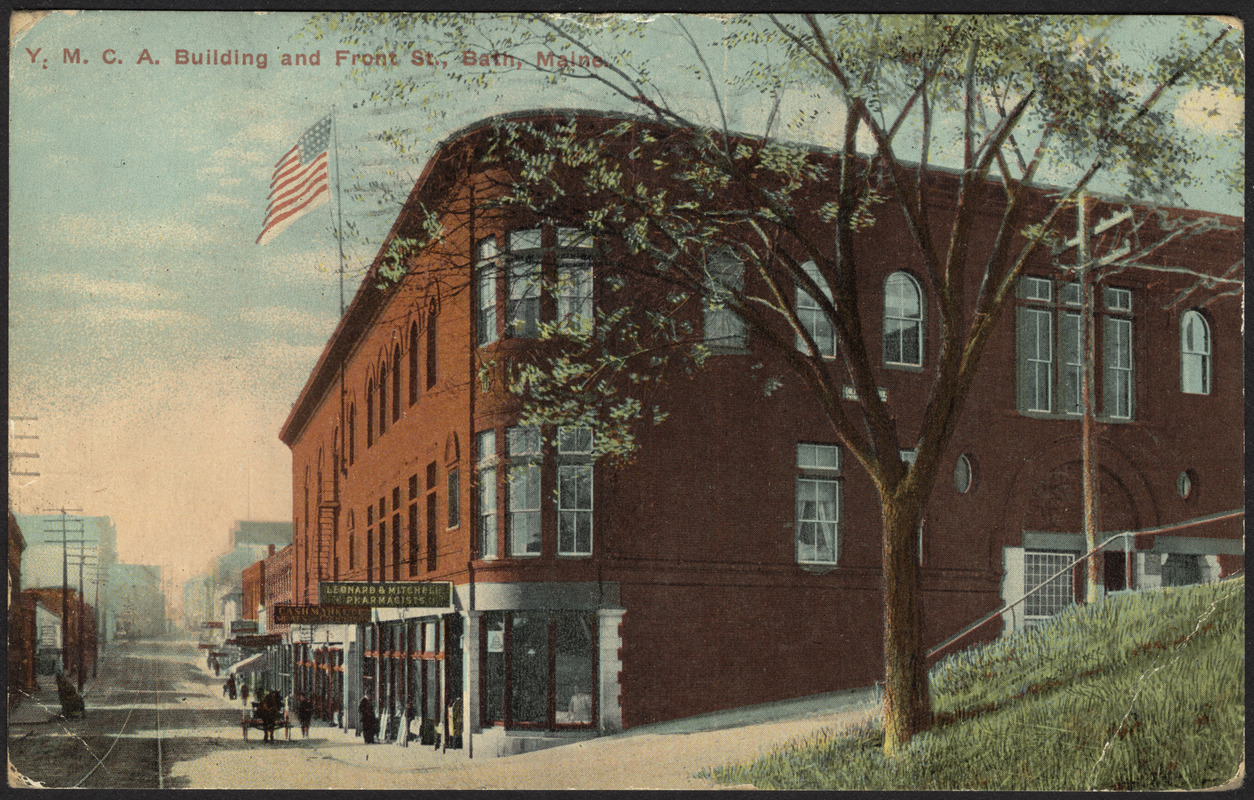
[(159, 347)]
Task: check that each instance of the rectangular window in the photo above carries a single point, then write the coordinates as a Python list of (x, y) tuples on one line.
[(432, 544), (574, 294), (454, 499), (812, 317), (573, 668), (493, 644), (539, 668), (1036, 359), (413, 539), (523, 312), (1072, 376), (487, 493), (574, 491), (1117, 367), (1056, 594), (1041, 362), (818, 503), (818, 456), (818, 518), (485, 291), (725, 331), (524, 490), (574, 510)]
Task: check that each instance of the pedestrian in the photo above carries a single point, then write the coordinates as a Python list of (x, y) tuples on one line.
[(410, 713), (243, 692), (217, 668), (304, 711), (455, 723), (230, 685), (369, 722)]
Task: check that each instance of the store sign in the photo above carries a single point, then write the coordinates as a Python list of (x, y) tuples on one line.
[(264, 640), (388, 594), (321, 615), (207, 645), (243, 626), (213, 625)]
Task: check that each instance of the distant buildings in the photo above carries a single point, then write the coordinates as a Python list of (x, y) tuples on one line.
[(137, 601), (22, 630)]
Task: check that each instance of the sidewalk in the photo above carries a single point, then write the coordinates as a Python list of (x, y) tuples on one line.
[(660, 756)]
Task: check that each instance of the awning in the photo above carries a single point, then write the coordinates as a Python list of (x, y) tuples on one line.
[(254, 663)]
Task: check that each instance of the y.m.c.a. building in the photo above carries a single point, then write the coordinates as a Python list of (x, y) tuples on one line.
[(735, 557)]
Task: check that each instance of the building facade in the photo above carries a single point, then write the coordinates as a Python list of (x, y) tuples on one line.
[(736, 558)]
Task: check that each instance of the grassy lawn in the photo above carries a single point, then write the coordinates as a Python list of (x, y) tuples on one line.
[(1143, 691)]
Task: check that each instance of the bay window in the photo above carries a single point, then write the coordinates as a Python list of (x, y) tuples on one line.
[(486, 474), (523, 497), (523, 310)]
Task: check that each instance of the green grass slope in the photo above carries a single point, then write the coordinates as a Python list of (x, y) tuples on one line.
[(1143, 691)]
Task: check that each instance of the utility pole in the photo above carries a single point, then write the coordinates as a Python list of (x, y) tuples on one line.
[(14, 453), (1086, 267), (65, 578), (82, 602)]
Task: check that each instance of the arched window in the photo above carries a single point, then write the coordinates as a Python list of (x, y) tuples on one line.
[(383, 397), (725, 331), (903, 320), (431, 352), (396, 382), (352, 433), (370, 412), (1194, 354), (413, 363)]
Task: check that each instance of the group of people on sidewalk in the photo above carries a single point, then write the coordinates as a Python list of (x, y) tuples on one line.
[(368, 724)]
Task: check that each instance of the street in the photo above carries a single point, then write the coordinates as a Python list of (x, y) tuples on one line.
[(156, 718)]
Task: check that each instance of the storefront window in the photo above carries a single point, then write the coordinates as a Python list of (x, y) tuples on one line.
[(550, 661), (529, 671), (494, 668), (573, 675)]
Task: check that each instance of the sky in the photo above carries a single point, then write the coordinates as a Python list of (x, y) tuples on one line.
[(158, 349)]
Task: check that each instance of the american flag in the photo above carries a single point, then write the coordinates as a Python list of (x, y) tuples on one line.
[(300, 183)]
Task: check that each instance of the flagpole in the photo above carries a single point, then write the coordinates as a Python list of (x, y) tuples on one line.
[(339, 208)]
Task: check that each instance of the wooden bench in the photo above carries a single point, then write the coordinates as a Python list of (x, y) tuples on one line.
[(283, 722)]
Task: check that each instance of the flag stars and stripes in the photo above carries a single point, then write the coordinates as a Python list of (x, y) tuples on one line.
[(301, 181)]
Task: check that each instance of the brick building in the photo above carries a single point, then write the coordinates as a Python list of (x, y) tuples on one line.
[(737, 558)]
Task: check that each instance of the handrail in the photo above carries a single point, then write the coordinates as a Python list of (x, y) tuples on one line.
[(1222, 515)]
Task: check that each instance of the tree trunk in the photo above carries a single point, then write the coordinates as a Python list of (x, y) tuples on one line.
[(907, 704)]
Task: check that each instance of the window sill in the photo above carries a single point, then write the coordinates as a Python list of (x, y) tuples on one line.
[(817, 569), (915, 368)]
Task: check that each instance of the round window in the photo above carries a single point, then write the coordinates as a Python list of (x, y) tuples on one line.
[(1184, 484), (962, 474)]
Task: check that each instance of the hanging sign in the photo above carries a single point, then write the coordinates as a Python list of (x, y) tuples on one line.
[(387, 594), (212, 625)]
